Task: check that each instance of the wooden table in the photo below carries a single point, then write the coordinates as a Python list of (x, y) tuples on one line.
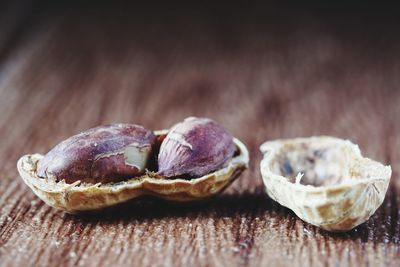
[(264, 72)]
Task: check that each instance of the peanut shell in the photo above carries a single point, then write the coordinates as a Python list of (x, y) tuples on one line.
[(324, 180)]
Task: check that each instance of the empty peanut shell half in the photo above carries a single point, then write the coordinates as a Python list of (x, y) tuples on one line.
[(324, 180), (74, 195)]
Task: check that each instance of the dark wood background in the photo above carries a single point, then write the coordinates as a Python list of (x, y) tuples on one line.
[(263, 71)]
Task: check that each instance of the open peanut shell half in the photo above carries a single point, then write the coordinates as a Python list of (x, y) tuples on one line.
[(324, 180), (77, 196)]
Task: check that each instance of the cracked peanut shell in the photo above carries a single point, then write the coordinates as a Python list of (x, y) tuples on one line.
[(324, 180), (77, 196)]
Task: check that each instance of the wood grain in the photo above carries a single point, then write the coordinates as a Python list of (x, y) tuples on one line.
[(264, 72)]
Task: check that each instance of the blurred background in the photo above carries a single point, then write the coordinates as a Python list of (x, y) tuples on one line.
[(243, 63), (264, 70)]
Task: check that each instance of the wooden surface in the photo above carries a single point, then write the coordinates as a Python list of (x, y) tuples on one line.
[(264, 72)]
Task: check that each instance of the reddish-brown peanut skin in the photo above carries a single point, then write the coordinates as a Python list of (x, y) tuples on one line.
[(195, 147), (97, 155)]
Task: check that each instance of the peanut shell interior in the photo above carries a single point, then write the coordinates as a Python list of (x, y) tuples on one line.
[(324, 180)]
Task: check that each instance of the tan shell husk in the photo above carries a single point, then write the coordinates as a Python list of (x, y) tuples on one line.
[(338, 207), (76, 197)]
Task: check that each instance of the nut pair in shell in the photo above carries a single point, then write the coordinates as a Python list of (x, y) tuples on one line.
[(105, 166), (324, 180)]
